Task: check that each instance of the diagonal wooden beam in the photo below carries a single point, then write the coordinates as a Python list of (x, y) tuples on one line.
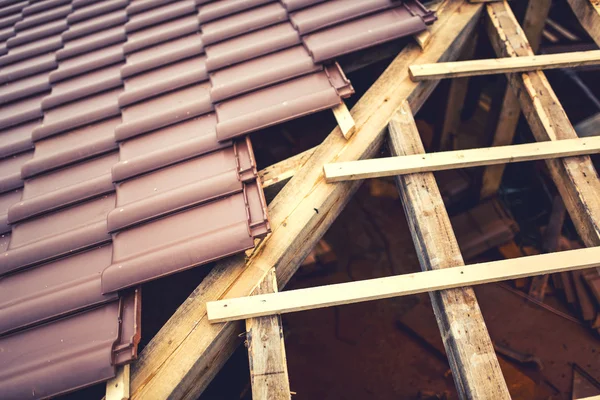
[(266, 351), (188, 351), (588, 13), (575, 177), (510, 111)]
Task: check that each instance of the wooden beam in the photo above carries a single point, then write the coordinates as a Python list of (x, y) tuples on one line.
[(588, 13), (492, 66), (187, 352), (344, 119), (401, 285), (575, 177), (274, 177), (390, 166), (510, 111), (266, 351), (118, 387), (455, 310)]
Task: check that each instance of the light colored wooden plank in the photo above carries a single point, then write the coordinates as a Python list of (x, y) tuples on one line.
[(401, 285), (510, 111), (389, 166), (344, 120), (437, 248), (575, 177), (187, 352), (266, 351), (492, 66), (423, 38), (118, 387), (588, 13)]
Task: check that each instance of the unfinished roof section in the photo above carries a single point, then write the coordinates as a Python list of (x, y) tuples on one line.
[(139, 115)]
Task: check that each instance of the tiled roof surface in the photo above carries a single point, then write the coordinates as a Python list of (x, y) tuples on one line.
[(124, 154)]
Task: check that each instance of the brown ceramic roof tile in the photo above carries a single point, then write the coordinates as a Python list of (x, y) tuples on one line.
[(159, 33), (10, 20), (251, 45), (40, 6), (243, 22), (6, 33), (64, 187), (180, 241), (57, 234), (165, 110), (43, 17), (279, 103), (82, 349), (24, 88), (16, 139), (91, 42), (361, 33), (10, 171), (95, 9), (293, 5), (188, 183), (138, 6), (75, 114), (21, 111), (87, 62), (260, 72), (334, 12), (31, 49), (217, 9), (159, 14), (167, 146), (115, 18), (27, 67), (72, 146), (162, 54), (7, 199), (13, 8), (161, 80), (37, 32), (84, 85), (54, 289)]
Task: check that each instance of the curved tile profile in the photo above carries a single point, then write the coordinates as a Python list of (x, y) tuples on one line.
[(333, 12), (21, 111), (279, 103), (91, 42), (32, 49), (90, 343), (96, 9), (28, 67), (156, 34), (116, 18), (217, 9), (164, 79), (261, 72), (40, 6), (10, 171), (139, 6), (56, 234), (72, 146), (167, 146), (159, 14), (36, 33), (73, 115), (25, 87), (64, 187), (293, 5), (164, 110), (88, 62), (180, 241), (53, 289), (363, 32), (242, 23), (251, 45), (7, 199), (17, 139), (182, 185)]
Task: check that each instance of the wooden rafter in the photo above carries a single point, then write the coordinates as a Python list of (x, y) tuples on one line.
[(510, 110), (188, 351), (588, 13), (575, 177)]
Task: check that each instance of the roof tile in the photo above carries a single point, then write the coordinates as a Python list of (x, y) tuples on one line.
[(16, 139)]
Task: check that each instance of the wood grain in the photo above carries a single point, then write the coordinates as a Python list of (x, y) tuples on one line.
[(588, 13), (187, 352), (402, 165)]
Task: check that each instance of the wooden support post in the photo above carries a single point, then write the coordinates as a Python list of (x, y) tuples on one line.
[(118, 387), (445, 160), (510, 111), (188, 351), (344, 120), (575, 177), (442, 280), (266, 351), (588, 13), (458, 69)]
